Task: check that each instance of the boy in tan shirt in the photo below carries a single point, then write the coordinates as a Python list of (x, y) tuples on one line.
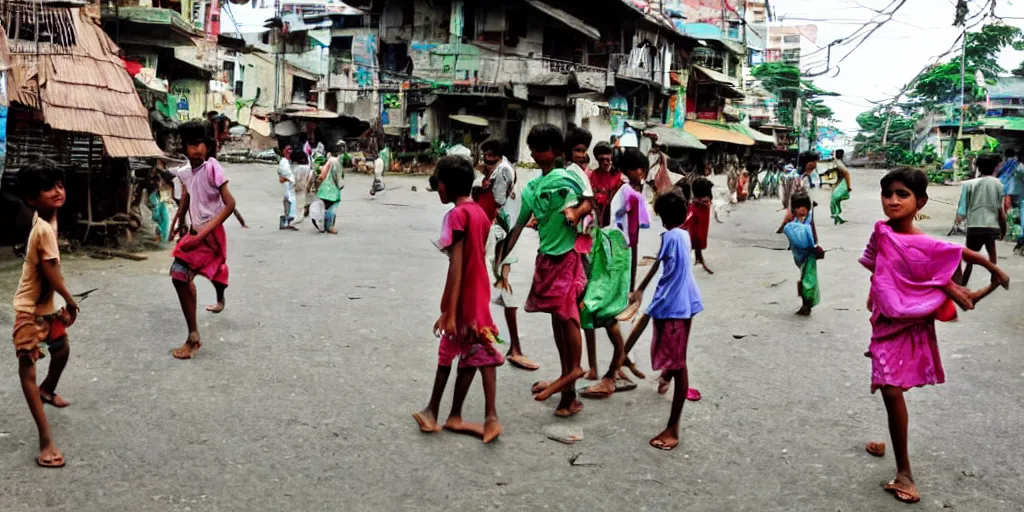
[(37, 324)]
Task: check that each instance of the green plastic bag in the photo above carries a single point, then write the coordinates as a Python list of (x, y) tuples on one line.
[(607, 292)]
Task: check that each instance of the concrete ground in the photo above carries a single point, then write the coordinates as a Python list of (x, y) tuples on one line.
[(302, 394)]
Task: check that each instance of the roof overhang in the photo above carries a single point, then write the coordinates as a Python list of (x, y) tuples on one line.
[(565, 18)]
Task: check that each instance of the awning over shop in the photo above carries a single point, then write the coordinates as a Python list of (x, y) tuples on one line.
[(706, 75), (675, 137), (566, 18), (1015, 124), (707, 132), (753, 134)]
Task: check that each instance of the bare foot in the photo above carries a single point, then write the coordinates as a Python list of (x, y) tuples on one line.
[(426, 421), (492, 429), (575, 408), (332, 231), (50, 457), (189, 349), (876, 449), (635, 371), (539, 386), (903, 489), (603, 389), (804, 311), (666, 440), (706, 269), (591, 375), (522, 362), (216, 308), (455, 424), (559, 385), (663, 386), (53, 399)]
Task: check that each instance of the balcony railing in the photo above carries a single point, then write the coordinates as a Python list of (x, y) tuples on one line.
[(620, 65)]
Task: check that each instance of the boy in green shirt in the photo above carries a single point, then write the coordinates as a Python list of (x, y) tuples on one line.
[(558, 200)]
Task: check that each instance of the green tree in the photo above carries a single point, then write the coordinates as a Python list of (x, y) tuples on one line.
[(785, 82), (941, 83)]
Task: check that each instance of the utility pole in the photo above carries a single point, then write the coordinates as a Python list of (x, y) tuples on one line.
[(277, 54), (963, 85)]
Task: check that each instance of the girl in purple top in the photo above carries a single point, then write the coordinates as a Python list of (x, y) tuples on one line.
[(676, 301)]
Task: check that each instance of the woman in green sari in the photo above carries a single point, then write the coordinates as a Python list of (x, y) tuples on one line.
[(332, 181), (841, 192)]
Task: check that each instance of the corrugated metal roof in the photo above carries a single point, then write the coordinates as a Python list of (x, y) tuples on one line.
[(675, 137), (566, 18), (715, 132)]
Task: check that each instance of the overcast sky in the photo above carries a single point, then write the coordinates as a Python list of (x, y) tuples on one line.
[(892, 56)]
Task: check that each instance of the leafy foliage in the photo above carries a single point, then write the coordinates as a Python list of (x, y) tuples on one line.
[(941, 83), (785, 82)]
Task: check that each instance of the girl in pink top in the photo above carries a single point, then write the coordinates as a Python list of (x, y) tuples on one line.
[(202, 249), (913, 283)]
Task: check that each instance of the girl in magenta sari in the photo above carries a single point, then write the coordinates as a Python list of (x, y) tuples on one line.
[(913, 283)]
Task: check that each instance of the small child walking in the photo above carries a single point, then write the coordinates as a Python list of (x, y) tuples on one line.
[(913, 284), (286, 176), (203, 248), (981, 206), (698, 219), (465, 326), (38, 325), (558, 201), (803, 241), (676, 301)]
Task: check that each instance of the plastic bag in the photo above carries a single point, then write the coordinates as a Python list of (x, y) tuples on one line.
[(607, 292), (316, 210)]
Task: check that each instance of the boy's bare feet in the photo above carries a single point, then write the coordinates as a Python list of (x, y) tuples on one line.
[(539, 386), (216, 308), (663, 386), (591, 374), (706, 269), (666, 440), (522, 362), (559, 384), (189, 349), (903, 489), (567, 412), (634, 370), (50, 457), (426, 421), (603, 389), (492, 429), (455, 424), (53, 399)]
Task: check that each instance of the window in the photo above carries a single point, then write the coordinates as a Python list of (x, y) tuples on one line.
[(794, 39), (46, 25), (758, 16), (791, 56)]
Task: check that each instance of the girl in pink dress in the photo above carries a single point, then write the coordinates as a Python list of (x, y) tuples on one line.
[(913, 283)]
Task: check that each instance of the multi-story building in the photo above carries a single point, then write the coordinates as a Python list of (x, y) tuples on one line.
[(788, 43)]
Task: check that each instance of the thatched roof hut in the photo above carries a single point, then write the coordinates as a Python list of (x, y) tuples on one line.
[(71, 71)]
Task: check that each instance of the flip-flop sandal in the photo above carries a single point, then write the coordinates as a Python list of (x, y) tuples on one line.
[(539, 386), (659, 444), (900, 494), (693, 395), (624, 385), (585, 392), (49, 400), (522, 363), (876, 449), (53, 462)]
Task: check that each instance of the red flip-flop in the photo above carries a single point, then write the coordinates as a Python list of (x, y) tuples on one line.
[(693, 395)]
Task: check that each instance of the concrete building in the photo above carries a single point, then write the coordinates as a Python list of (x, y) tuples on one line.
[(790, 43)]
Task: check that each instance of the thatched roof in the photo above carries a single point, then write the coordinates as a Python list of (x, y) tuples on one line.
[(83, 86)]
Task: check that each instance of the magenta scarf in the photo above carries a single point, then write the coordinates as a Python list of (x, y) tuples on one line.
[(909, 273)]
